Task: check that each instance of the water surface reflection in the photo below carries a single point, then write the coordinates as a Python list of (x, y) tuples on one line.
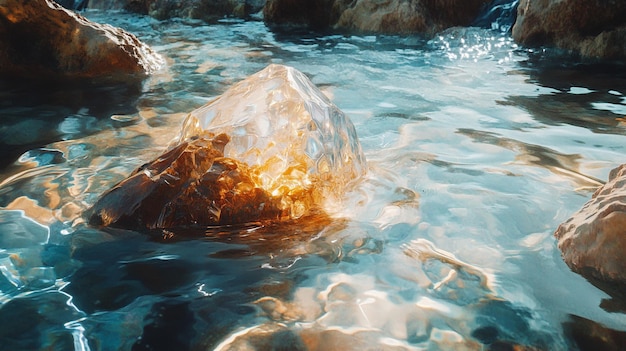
[(476, 153)]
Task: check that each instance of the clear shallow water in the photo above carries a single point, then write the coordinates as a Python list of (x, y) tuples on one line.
[(477, 150)]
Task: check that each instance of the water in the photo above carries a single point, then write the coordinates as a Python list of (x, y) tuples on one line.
[(477, 150)]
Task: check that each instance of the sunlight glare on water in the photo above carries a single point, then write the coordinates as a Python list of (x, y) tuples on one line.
[(476, 151)]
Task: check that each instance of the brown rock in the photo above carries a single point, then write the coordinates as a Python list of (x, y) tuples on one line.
[(378, 16), (314, 14), (39, 37), (415, 16), (387, 17), (191, 184), (590, 335), (593, 240), (592, 28), (207, 10)]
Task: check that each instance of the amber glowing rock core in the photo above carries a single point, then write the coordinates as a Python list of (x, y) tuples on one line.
[(272, 147)]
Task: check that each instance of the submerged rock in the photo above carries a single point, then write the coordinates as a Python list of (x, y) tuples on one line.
[(593, 240), (589, 335), (39, 37), (590, 28), (272, 147), (393, 16), (352, 312)]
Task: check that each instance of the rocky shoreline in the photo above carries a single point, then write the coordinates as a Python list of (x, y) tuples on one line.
[(590, 29)]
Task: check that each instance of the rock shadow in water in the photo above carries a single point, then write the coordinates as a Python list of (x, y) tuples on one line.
[(588, 95), (36, 113), (536, 155), (35, 322), (588, 335)]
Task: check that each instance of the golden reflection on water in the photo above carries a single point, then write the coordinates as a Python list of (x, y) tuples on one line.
[(64, 189), (32, 209)]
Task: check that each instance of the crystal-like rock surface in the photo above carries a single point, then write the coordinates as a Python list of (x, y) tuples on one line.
[(272, 147), (284, 128)]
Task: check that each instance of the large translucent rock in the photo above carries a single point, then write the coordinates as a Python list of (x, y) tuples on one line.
[(283, 127), (272, 147)]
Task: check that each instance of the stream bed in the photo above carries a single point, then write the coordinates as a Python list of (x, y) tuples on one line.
[(477, 150)]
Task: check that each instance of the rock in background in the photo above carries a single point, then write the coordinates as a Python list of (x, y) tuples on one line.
[(41, 38), (206, 10), (316, 14), (375, 16), (593, 240), (592, 28)]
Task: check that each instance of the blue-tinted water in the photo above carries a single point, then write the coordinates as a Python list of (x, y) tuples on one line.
[(477, 150)]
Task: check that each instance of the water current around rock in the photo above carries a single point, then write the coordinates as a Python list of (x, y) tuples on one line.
[(476, 149)]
